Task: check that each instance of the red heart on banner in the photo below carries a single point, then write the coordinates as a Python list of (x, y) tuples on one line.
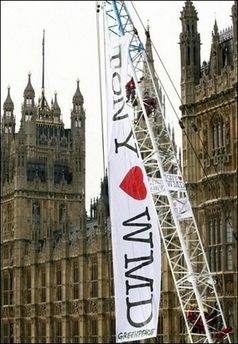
[(133, 184)]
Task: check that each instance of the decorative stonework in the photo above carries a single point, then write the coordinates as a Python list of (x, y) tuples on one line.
[(93, 306), (42, 310), (27, 311), (6, 312), (75, 307), (58, 309)]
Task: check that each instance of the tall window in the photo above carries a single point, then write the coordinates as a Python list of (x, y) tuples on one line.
[(27, 332), (28, 102), (76, 282), (78, 123), (111, 279), (7, 332), (160, 330), (229, 257), (10, 218), (8, 289), (229, 237), (94, 279), (94, 331), (215, 243), (229, 231), (210, 233), (113, 331), (231, 314), (58, 284), (28, 287), (43, 286), (77, 107), (218, 135), (58, 332), (42, 332), (75, 331)]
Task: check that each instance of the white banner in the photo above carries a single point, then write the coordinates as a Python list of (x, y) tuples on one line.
[(173, 182), (134, 224), (182, 208)]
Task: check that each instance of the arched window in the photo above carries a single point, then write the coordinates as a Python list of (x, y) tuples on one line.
[(231, 314), (215, 232), (9, 218), (77, 107), (229, 258), (28, 102), (210, 233), (214, 243), (228, 228), (220, 231), (218, 135), (78, 123)]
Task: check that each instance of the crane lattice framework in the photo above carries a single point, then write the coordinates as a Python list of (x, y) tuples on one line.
[(180, 236)]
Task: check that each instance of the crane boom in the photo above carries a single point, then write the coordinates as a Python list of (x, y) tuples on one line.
[(180, 235)]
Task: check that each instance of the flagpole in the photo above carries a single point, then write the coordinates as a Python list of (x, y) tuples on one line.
[(43, 60)]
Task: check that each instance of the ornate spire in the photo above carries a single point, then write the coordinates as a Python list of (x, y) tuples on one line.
[(78, 98), (8, 104), (56, 109), (55, 105), (29, 90), (189, 11)]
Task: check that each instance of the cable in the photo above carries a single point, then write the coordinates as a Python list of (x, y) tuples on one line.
[(183, 127)]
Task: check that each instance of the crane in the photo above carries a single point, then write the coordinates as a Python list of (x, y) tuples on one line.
[(179, 233)]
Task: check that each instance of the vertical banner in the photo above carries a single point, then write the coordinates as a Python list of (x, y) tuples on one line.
[(134, 224)]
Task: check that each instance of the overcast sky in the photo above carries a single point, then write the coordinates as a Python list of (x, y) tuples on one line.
[(71, 52)]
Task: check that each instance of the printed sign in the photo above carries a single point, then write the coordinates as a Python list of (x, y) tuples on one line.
[(134, 224)]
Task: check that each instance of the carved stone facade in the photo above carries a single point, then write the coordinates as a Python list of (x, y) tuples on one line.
[(56, 271), (209, 117)]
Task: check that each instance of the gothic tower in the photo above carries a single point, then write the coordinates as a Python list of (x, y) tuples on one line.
[(42, 206)]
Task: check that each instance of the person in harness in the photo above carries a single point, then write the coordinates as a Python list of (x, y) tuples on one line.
[(130, 90), (192, 317), (149, 104)]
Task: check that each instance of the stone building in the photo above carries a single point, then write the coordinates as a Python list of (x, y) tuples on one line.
[(56, 262), (209, 118)]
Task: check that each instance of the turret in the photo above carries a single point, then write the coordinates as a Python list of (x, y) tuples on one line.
[(77, 114), (78, 139), (235, 29), (29, 103), (8, 119), (56, 110), (7, 137), (215, 58), (190, 52)]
